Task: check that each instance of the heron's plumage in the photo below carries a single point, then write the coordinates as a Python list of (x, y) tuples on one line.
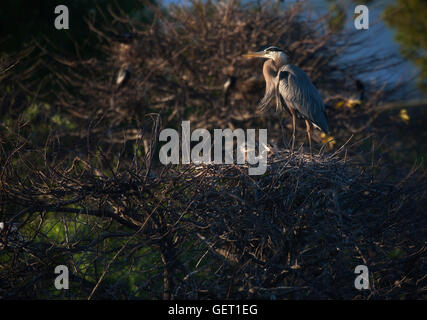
[(290, 86), (301, 95)]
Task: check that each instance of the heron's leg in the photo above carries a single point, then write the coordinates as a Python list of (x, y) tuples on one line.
[(279, 109), (293, 128), (309, 136), (283, 131), (293, 131)]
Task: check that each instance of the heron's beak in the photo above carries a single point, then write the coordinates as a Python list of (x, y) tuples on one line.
[(259, 54)]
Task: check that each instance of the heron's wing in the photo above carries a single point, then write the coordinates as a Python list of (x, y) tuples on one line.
[(300, 94)]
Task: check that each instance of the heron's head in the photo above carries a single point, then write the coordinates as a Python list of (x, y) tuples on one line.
[(270, 52)]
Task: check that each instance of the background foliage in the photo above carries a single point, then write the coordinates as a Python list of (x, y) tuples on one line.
[(408, 18)]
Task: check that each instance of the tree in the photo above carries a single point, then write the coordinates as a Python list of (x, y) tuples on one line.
[(407, 17)]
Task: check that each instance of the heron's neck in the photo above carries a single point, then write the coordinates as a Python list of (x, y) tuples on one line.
[(279, 61), (270, 71), (271, 67)]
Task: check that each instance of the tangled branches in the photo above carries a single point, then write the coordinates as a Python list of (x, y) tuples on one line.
[(212, 231)]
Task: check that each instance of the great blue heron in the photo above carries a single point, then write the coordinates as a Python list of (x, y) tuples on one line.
[(291, 86)]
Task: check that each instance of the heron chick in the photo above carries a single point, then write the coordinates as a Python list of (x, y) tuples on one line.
[(291, 86)]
